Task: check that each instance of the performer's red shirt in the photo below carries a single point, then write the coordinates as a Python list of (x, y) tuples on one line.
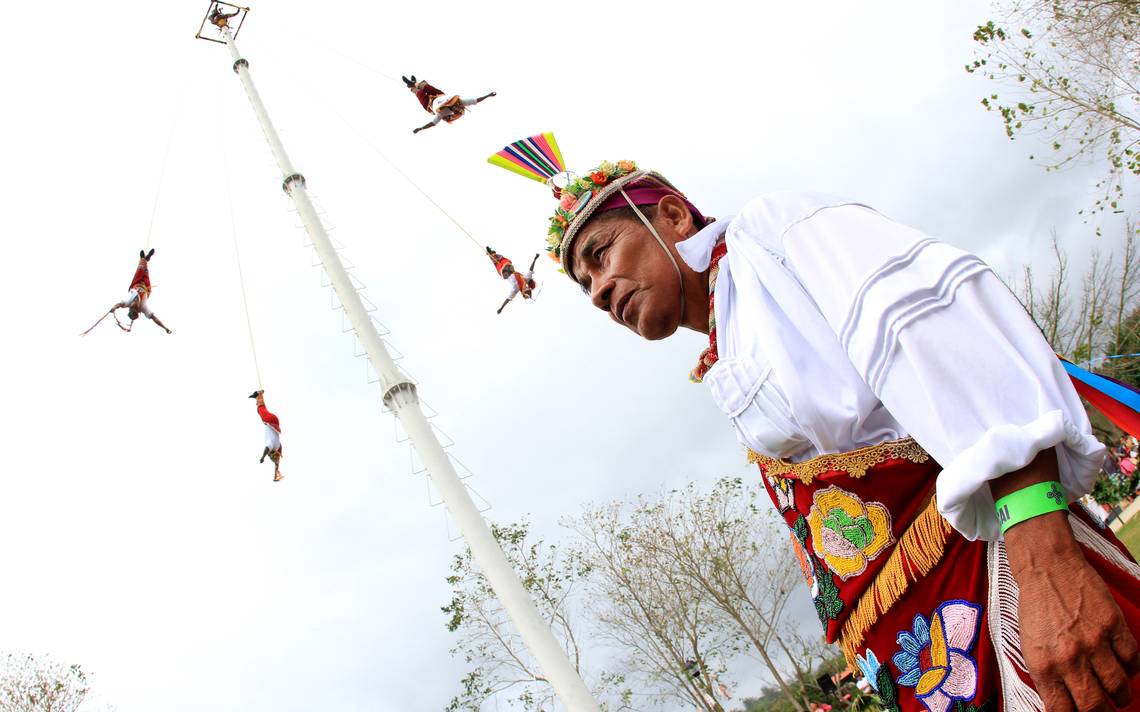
[(500, 262), (426, 93), (269, 418)]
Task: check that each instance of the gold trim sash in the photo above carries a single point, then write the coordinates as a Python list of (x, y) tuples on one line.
[(854, 463)]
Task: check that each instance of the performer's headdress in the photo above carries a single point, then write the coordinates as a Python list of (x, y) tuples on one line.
[(609, 186)]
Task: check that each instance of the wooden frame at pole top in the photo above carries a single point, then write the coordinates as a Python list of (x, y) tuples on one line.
[(235, 28)]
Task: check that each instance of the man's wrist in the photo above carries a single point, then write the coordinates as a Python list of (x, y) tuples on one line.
[(1040, 544), (1031, 501)]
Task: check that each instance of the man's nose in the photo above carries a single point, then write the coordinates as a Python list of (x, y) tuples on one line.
[(603, 291)]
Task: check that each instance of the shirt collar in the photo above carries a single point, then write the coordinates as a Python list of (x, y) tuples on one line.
[(696, 251)]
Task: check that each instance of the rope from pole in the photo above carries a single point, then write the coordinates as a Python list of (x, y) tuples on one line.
[(392, 164), (165, 159), (310, 40), (237, 253), (405, 176)]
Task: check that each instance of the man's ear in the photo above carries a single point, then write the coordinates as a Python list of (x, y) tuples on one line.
[(673, 211)]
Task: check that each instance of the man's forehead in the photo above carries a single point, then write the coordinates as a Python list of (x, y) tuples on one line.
[(586, 237)]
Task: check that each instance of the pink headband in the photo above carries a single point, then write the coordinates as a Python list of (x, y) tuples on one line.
[(647, 192)]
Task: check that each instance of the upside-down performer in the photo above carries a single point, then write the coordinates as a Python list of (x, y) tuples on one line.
[(137, 300), (919, 437), (519, 283), (272, 435), (221, 18), (441, 106)]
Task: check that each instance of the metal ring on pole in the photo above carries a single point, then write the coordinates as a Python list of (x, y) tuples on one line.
[(297, 177), (240, 63), (402, 386)]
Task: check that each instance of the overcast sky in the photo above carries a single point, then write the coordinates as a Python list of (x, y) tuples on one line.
[(140, 536)]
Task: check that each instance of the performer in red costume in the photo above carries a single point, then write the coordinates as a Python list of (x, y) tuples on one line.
[(220, 17), (137, 299), (920, 439), (272, 435), (519, 284), (435, 102)]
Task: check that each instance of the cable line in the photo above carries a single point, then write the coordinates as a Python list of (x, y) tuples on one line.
[(237, 252), (391, 163), (165, 159)]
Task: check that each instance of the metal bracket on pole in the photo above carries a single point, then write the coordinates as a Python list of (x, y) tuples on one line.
[(289, 180), (405, 386)]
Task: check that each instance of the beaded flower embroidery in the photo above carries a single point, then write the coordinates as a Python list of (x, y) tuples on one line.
[(936, 655)]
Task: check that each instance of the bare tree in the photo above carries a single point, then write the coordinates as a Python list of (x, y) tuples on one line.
[(1095, 324), (671, 635), (1071, 69), (1092, 320), (488, 640), (1127, 282), (38, 684), (720, 541)]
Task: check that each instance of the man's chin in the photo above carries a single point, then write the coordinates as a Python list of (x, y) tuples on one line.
[(655, 330)]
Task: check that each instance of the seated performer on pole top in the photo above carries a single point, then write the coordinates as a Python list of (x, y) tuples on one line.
[(917, 435), (272, 435), (221, 18), (443, 107), (519, 284), (137, 300)]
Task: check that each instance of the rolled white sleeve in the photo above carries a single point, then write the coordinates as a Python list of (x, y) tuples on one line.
[(950, 353)]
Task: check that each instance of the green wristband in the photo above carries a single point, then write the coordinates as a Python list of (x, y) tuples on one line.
[(1033, 501)]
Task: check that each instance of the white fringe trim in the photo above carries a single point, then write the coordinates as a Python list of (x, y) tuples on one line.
[(1005, 634), (1091, 538)]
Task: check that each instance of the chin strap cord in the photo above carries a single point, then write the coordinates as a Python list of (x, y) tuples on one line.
[(668, 252)]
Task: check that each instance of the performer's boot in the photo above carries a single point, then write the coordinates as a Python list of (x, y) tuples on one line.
[(264, 454)]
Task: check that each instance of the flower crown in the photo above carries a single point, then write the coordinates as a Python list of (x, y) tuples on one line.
[(576, 195)]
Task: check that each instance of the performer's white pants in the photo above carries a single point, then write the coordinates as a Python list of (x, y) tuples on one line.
[(272, 439)]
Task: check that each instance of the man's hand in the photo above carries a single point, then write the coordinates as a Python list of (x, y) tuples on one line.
[(1076, 645)]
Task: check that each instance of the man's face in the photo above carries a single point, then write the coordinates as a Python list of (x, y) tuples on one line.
[(627, 274), (133, 313)]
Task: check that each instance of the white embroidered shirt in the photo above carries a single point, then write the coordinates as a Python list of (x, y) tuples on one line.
[(838, 328)]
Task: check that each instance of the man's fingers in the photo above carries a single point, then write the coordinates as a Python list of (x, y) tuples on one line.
[(1085, 688), (1112, 678), (1054, 695), (1124, 645)]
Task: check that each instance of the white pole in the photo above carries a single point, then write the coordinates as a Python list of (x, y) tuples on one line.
[(400, 396)]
